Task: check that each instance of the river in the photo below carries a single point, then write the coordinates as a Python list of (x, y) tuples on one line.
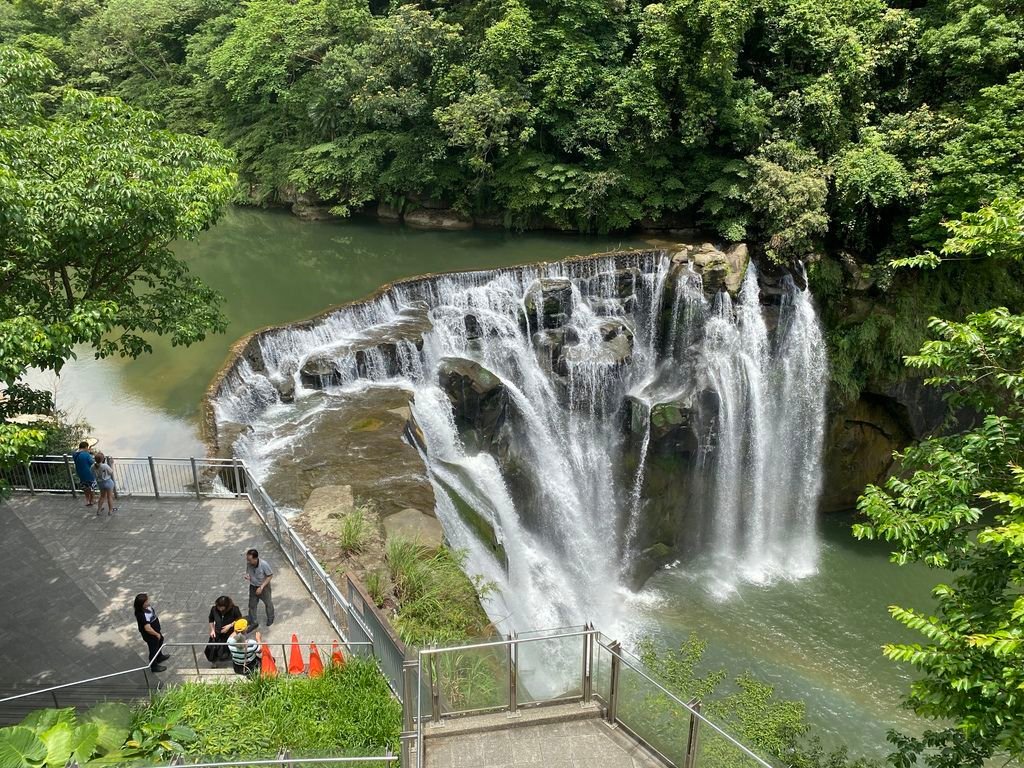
[(817, 639)]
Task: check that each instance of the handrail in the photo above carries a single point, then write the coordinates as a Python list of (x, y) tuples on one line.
[(285, 761), (593, 635), (144, 668), (507, 641)]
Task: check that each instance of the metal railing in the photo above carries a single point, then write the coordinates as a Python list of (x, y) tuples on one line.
[(148, 476), (285, 761), (568, 665), (230, 478), (54, 692), (176, 666)]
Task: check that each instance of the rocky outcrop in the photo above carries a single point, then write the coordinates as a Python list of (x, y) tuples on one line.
[(480, 403), (378, 355), (614, 348), (437, 219), (305, 205), (668, 525), (413, 525), (548, 303), (863, 436), (859, 447), (719, 269), (359, 439)]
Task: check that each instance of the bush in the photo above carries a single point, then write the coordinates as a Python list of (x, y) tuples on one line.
[(376, 585), (437, 602), (355, 532), (348, 711)]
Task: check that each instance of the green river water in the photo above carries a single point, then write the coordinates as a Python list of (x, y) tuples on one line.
[(817, 639)]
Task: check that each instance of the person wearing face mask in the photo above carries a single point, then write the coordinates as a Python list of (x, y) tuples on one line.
[(149, 628)]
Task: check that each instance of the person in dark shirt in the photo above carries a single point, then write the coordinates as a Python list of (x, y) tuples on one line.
[(223, 614), (149, 628)]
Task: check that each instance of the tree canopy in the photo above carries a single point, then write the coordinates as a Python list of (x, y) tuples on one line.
[(958, 505), (840, 132), (92, 194)]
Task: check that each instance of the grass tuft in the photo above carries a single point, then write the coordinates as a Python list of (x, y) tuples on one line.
[(437, 602), (355, 532)]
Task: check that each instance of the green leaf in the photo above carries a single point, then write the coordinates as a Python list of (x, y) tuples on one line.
[(59, 741), (113, 720), (84, 741), (20, 747)]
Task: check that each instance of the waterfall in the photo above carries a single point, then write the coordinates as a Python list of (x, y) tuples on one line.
[(595, 364)]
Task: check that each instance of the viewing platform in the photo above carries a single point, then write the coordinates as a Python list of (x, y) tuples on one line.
[(567, 697), (71, 577)]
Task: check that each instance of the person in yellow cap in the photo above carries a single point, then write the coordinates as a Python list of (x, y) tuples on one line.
[(245, 650)]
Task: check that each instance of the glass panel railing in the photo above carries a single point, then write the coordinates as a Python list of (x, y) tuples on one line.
[(716, 751), (550, 669), (653, 716), (472, 679)]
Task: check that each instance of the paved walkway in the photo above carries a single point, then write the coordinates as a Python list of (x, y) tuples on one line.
[(70, 578), (563, 736)]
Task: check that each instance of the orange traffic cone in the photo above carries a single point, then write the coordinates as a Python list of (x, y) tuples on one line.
[(268, 667), (295, 664), (316, 664), (337, 659)]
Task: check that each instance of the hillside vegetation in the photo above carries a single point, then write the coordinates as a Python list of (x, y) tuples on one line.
[(853, 128)]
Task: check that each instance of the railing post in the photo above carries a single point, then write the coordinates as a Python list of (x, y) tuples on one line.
[(588, 665), (513, 662), (690, 760), (613, 693), (28, 474), (408, 738), (435, 690), (408, 721), (71, 476), (152, 473), (195, 658), (238, 479), (195, 476)]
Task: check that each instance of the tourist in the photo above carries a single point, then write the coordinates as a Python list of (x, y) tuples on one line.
[(149, 628), (258, 573), (105, 480), (223, 614), (245, 651), (83, 467)]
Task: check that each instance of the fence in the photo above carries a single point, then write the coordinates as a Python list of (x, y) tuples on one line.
[(230, 478), (149, 476), (567, 665)]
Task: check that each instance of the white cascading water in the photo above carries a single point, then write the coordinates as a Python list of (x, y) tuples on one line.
[(570, 542)]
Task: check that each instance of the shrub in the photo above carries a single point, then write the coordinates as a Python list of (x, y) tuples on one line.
[(376, 585), (355, 532), (437, 602), (347, 711)]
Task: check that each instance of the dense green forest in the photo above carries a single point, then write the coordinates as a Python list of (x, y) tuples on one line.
[(880, 143), (851, 128)]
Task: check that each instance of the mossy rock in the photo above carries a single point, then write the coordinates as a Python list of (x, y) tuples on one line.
[(480, 526)]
